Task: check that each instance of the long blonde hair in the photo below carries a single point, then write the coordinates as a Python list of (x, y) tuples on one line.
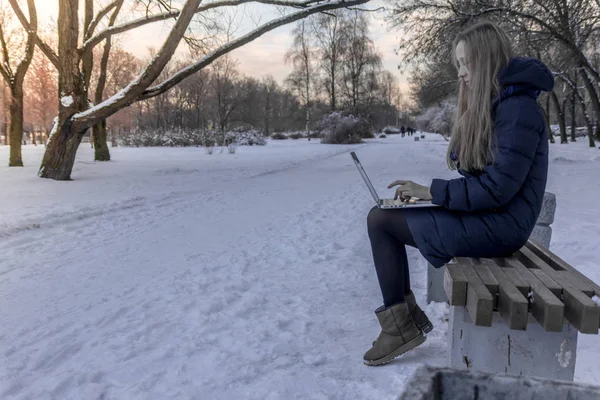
[(488, 50)]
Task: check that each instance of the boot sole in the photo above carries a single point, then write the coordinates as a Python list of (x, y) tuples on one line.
[(426, 327), (417, 341)]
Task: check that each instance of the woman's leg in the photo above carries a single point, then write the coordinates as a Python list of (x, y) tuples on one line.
[(389, 233)]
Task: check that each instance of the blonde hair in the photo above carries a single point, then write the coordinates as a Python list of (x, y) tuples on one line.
[(488, 51)]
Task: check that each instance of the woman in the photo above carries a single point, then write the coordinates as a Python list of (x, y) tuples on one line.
[(499, 145)]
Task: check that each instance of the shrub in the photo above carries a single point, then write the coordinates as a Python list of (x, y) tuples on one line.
[(382, 136), (438, 118), (297, 135), (279, 136), (337, 128), (232, 147), (391, 130), (245, 137), (171, 138)]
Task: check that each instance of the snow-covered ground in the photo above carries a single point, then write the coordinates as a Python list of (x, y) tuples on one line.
[(173, 274)]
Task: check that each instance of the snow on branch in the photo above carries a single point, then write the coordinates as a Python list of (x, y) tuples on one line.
[(89, 44), (234, 44)]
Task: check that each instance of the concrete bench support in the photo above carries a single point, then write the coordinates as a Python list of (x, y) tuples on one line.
[(435, 284), (431, 383), (498, 349), (542, 233)]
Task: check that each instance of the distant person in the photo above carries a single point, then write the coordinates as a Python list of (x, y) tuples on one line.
[(500, 147), (402, 130)]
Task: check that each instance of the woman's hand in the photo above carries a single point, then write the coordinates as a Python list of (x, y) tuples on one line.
[(408, 189)]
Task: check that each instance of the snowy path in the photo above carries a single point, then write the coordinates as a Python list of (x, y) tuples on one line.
[(171, 274)]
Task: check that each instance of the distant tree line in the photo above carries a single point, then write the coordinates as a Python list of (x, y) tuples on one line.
[(336, 67), (564, 35)]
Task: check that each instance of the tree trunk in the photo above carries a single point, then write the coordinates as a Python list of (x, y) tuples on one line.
[(101, 152), (561, 118), (550, 133), (308, 121), (15, 134), (573, 122), (33, 138), (66, 136), (593, 97), (60, 153)]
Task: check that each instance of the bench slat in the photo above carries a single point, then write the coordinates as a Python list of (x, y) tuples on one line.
[(480, 266), (546, 308), (455, 285), (548, 282), (517, 280), (480, 302), (558, 263), (578, 283), (511, 302), (580, 310)]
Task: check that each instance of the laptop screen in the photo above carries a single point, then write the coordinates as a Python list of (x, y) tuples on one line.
[(365, 177)]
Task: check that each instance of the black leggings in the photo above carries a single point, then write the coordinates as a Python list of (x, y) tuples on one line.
[(389, 233)]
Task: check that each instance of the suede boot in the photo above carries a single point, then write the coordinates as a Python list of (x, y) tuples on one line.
[(399, 334), (417, 314)]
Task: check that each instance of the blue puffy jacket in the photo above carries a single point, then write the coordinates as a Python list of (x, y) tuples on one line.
[(492, 214)]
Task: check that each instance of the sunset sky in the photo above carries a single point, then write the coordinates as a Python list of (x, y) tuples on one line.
[(262, 56)]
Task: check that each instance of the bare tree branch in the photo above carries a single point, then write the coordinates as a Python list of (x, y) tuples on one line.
[(365, 10), (234, 44), (101, 14), (5, 66), (29, 46), (47, 50), (128, 95), (104, 61), (93, 41)]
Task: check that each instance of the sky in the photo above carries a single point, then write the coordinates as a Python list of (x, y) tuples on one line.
[(264, 55)]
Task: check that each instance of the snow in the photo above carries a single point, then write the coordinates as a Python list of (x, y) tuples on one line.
[(169, 273), (596, 300), (66, 101)]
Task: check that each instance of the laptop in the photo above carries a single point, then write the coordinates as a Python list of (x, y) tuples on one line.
[(388, 203)]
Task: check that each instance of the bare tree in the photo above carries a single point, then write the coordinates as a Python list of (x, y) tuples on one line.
[(572, 26), (4, 113), (360, 58), (270, 89), (224, 90), (577, 94), (101, 152), (41, 94), (330, 46), (14, 76), (301, 56), (75, 116)]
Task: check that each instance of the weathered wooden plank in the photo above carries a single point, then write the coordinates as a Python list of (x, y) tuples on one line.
[(548, 282), (517, 280), (480, 266), (455, 285), (512, 304), (575, 281), (545, 307), (559, 264), (580, 310), (480, 302)]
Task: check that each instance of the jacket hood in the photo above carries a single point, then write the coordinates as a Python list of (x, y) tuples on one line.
[(526, 71)]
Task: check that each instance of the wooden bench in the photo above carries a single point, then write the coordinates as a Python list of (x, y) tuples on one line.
[(541, 233), (519, 315)]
